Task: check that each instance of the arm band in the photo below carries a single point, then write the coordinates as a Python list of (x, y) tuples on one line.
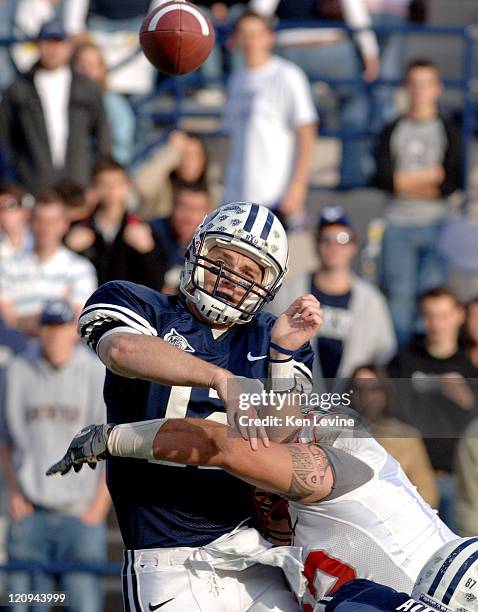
[(134, 439), (280, 349)]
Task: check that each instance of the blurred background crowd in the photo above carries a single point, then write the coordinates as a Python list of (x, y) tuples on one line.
[(354, 120)]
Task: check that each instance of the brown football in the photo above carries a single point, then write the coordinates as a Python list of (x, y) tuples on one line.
[(177, 37)]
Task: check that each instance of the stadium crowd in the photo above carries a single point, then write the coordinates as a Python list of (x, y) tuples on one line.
[(79, 208)]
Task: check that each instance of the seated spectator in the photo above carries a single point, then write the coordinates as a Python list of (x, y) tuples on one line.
[(15, 234), (466, 465), (52, 120), (88, 59), (118, 244), (271, 120), (372, 398), (182, 162), (418, 163), (471, 330), (330, 53), (438, 397), (45, 405), (357, 327), (49, 271), (175, 232)]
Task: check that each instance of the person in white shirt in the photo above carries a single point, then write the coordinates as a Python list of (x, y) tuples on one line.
[(271, 120), (49, 271), (330, 53)]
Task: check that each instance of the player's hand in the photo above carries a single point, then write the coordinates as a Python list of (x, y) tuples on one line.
[(241, 415), (88, 446), (298, 324)]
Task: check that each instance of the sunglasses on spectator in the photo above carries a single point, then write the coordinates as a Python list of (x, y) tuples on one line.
[(340, 238), (10, 204)]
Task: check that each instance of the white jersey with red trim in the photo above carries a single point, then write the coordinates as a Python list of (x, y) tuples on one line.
[(381, 530)]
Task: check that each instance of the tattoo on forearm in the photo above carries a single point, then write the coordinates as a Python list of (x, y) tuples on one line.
[(309, 469)]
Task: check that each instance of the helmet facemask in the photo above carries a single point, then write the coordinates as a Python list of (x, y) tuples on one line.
[(214, 304)]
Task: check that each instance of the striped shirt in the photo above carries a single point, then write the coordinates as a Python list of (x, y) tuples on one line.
[(28, 282)]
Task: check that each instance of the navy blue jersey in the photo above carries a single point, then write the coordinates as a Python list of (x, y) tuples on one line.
[(368, 596), (160, 505)]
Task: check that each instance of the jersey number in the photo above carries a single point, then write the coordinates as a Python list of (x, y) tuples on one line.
[(177, 408), (178, 402), (319, 562)]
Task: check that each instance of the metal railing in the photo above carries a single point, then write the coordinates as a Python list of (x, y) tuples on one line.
[(178, 87)]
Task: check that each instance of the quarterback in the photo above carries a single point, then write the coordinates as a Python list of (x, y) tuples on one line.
[(353, 511), (171, 357)]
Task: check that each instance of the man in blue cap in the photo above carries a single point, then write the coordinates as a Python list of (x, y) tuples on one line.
[(44, 406), (52, 120), (357, 326)]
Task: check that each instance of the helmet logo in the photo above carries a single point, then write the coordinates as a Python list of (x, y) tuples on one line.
[(178, 341), (253, 240)]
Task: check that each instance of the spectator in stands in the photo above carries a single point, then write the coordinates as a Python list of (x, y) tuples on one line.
[(49, 271), (271, 120), (80, 203), (328, 53), (52, 521), (30, 15), (114, 26), (175, 232), (88, 59), (439, 399), (52, 120), (466, 464), (357, 327), (418, 163), (388, 14), (15, 234), (471, 330), (373, 399), (118, 244), (222, 15), (181, 162)]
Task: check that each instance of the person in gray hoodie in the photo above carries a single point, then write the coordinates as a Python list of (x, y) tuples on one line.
[(357, 324)]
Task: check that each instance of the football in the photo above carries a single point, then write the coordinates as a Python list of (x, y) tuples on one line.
[(176, 37)]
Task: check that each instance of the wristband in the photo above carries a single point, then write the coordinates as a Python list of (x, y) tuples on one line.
[(134, 439), (280, 349), (280, 360)]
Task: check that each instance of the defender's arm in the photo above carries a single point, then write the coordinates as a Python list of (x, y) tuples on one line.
[(298, 472)]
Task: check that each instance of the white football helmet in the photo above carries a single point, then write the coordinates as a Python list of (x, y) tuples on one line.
[(249, 229), (448, 581)]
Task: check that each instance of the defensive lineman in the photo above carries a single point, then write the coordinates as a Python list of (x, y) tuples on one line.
[(150, 344), (353, 510)]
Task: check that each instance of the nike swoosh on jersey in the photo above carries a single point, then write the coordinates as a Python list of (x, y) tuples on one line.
[(160, 605), (253, 358)]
